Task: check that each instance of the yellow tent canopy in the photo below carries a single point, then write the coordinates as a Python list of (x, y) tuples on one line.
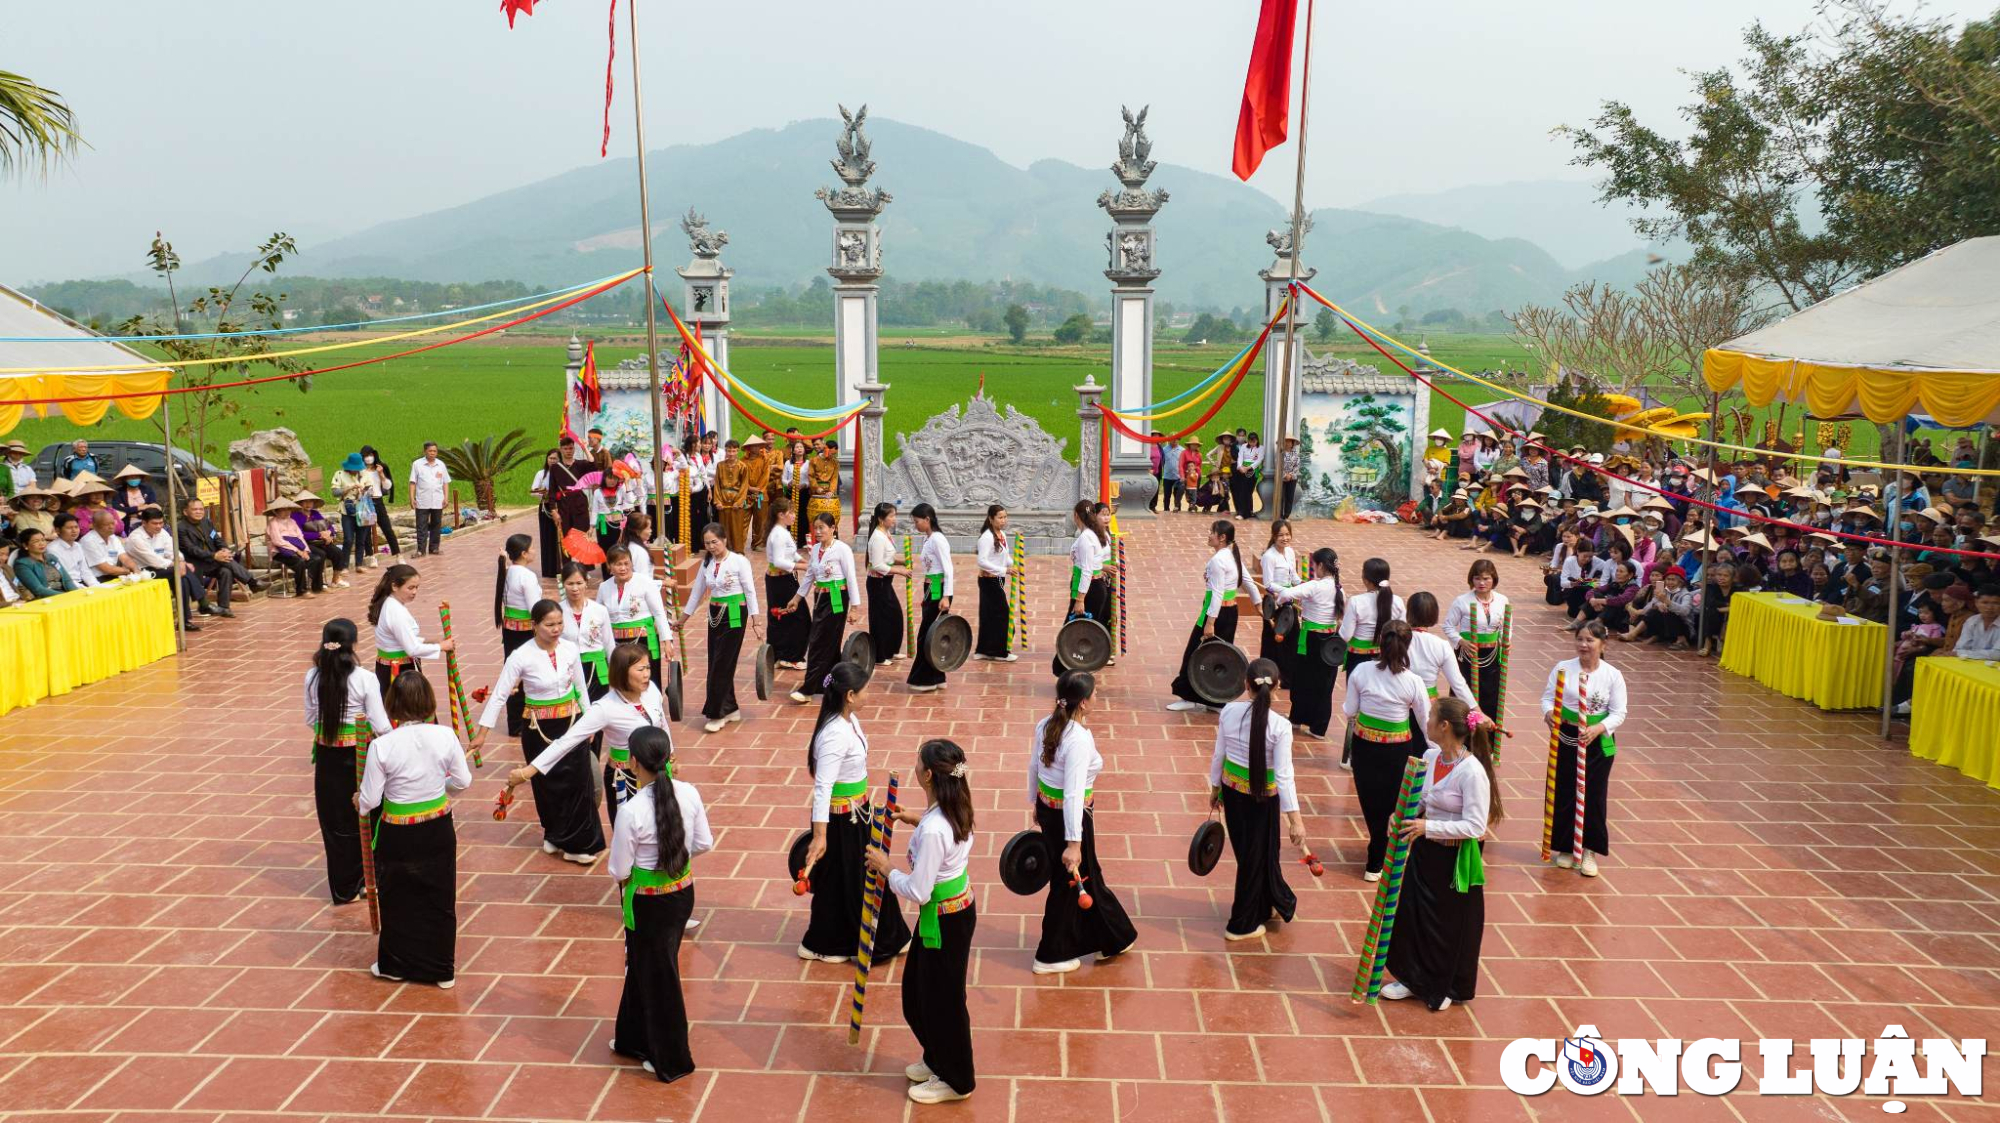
[(74, 347), (1924, 338)]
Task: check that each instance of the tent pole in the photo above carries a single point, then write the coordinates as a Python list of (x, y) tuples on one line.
[(1709, 530), (1895, 518), (1979, 461), (659, 504), (174, 521)]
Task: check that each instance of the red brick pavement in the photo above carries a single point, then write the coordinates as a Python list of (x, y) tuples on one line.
[(167, 952)]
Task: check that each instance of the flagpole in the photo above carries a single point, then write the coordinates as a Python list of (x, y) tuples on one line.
[(1274, 448), (646, 240)]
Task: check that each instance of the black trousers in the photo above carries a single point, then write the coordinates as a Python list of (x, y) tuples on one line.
[(885, 618), (994, 630), (923, 672), (1312, 685), (934, 996), (1574, 597), (823, 645), (224, 577), (1486, 687), (517, 701), (1434, 949), (1283, 653), (1552, 589), (430, 529), (1596, 797), (186, 588), (548, 545), (329, 556), (1069, 932), (835, 924), (385, 675), (1225, 629), (1096, 604), (565, 797), (1288, 497), (788, 633), (1242, 492), (1173, 495), (1665, 626), (389, 531), (1260, 877), (724, 645), (416, 875), (652, 1013), (301, 567), (1378, 778), (334, 785)]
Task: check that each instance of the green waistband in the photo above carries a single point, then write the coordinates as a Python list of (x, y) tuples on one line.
[(514, 614), (1431, 690), (391, 807), (647, 624), (1385, 725), (837, 591), (569, 696), (1470, 869), (1481, 637), (1242, 772), (643, 878), (1579, 720), (1361, 646), (733, 604), (934, 583), (927, 916), (385, 655), (1057, 793), (596, 661), (1078, 581), (1307, 627), (851, 790)]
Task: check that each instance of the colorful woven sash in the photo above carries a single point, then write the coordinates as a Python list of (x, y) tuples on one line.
[(394, 660), (539, 708), (733, 605), (838, 591), (1053, 797), (1362, 647), (348, 737), (408, 814), (934, 586), (1386, 730), (633, 629), (946, 897), (1308, 626), (1236, 777), (847, 796), (1571, 717), (652, 883), (515, 620)]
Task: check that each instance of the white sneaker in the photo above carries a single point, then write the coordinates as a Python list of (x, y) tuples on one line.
[(1589, 866), (1372, 875), (919, 1072), (935, 1091), (550, 847), (1252, 934), (734, 715), (692, 924), (1063, 968), (1010, 657), (714, 726), (1565, 861), (800, 698), (375, 969), (584, 859), (1395, 991), (983, 658), (1183, 706), (648, 1066), (1347, 765), (807, 953), (1108, 956), (1442, 1006), (926, 689), (447, 984), (1902, 709)]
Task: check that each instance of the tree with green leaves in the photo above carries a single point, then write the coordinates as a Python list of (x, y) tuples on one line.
[(1324, 325), (1369, 421), (37, 127), (1073, 330), (1016, 319)]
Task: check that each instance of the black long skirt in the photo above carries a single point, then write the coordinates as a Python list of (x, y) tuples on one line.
[(1225, 629), (1596, 796), (994, 626), (565, 797), (416, 871), (934, 996), (517, 701), (1285, 652), (1260, 877), (885, 618), (724, 645), (1378, 779), (788, 633), (1069, 932), (835, 927), (385, 675), (1242, 487), (923, 672), (1312, 685), (334, 785), (1096, 605), (652, 1020), (823, 645), (1434, 949), (1487, 687), (549, 547)]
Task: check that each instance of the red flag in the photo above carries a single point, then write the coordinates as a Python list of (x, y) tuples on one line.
[(510, 7), (1267, 88), (589, 392)]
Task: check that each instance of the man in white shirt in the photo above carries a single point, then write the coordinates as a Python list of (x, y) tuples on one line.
[(67, 551), (1980, 637), (429, 479), (152, 548), (104, 551), (20, 473)]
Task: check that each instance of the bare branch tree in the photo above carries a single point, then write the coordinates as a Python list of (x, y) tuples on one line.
[(1686, 310)]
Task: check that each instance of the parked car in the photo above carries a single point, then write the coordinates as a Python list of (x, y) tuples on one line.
[(147, 456)]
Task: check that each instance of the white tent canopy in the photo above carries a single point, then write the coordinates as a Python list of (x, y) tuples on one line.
[(57, 364)]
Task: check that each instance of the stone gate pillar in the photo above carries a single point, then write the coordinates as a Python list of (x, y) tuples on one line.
[(1284, 358), (1090, 438), (857, 264), (874, 456), (705, 308), (578, 419), (1132, 270)]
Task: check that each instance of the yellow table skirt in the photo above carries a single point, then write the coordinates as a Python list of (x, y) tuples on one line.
[(94, 633), (1783, 644), (25, 681), (1954, 711)]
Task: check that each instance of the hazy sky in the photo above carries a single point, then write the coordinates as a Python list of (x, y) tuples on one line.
[(222, 120)]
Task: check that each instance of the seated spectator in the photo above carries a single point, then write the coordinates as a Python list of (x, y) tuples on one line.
[(38, 574), (320, 535), (88, 498), (1980, 637), (66, 550), (290, 549), (104, 549), (1610, 601), (1791, 576), (1664, 612), (9, 595), (78, 462), (1582, 572), (211, 558), (1868, 590), (153, 549), (17, 475), (1714, 607), (131, 496)]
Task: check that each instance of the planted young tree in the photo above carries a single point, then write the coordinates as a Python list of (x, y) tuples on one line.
[(482, 463)]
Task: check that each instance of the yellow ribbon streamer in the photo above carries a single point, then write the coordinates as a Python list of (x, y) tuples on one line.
[(717, 369), (1248, 357)]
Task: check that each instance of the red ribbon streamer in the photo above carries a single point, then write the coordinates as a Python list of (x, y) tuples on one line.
[(610, 56)]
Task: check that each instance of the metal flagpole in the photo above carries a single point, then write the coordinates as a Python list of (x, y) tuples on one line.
[(652, 296), (1895, 520), (1274, 448)]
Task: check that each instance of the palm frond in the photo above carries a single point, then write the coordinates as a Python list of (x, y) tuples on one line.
[(37, 127)]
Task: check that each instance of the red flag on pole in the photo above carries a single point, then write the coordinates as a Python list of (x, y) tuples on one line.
[(1267, 88), (589, 391), (511, 7)]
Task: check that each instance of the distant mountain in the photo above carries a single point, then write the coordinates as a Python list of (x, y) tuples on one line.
[(1564, 217), (959, 212)]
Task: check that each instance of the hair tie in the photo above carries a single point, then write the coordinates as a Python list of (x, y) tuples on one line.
[(958, 771), (1262, 680), (827, 681), (1382, 584), (330, 647), (1473, 718)]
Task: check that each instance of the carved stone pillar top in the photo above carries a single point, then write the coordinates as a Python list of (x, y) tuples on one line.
[(857, 243), (873, 392), (575, 351), (1130, 243), (1088, 395)]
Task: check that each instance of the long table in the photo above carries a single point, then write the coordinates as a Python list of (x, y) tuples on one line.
[(1954, 712), (1779, 640), (50, 647)]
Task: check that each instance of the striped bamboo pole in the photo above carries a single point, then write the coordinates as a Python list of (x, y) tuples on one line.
[(1500, 695), (881, 831), (367, 840), (1549, 785), (1472, 660), (1020, 589), (686, 512), (459, 710), (673, 597), (1582, 751), (1118, 559), (1374, 962), (909, 599)]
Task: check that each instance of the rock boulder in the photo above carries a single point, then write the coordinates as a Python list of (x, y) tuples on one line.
[(276, 450)]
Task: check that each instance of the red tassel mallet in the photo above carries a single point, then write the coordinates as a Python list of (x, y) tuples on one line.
[(479, 694), (501, 804), (1311, 862), (802, 886), (1083, 900)]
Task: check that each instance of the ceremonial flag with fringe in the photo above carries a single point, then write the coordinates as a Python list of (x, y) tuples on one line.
[(1267, 88)]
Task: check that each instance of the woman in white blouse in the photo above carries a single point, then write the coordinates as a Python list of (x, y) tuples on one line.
[(515, 591), (410, 774), (633, 704), (1089, 591), (654, 843), (550, 672), (1278, 568), (587, 627), (542, 488), (638, 612), (399, 644), (1434, 950), (1361, 619), (790, 627), (830, 573), (1251, 765), (1320, 603), (938, 883), (995, 560), (1431, 659), (1221, 578), (934, 579), (1382, 697), (344, 710), (885, 608), (1591, 709), (837, 761), (1480, 626), (725, 581), (1062, 782)]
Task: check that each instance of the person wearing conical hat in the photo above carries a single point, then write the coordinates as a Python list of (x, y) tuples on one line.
[(290, 550), (19, 474), (31, 512)]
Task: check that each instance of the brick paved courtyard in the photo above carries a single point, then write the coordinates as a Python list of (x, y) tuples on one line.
[(167, 951)]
